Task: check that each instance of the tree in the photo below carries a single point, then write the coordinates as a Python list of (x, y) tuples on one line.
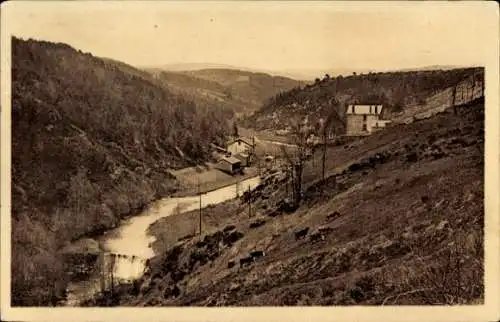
[(333, 117), (235, 129), (298, 157), (453, 96)]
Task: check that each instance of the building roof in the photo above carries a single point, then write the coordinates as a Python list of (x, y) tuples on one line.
[(364, 109), (231, 160), (218, 147), (242, 139)]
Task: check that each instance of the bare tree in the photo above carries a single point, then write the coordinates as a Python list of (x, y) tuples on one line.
[(453, 95), (298, 157), (326, 127)]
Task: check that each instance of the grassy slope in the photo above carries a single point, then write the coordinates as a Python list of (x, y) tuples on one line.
[(92, 142), (410, 230)]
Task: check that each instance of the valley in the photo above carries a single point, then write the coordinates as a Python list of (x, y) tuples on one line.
[(120, 167), (402, 228)]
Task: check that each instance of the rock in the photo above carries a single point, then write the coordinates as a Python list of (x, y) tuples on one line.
[(229, 228), (442, 225), (317, 237), (257, 223), (286, 206), (234, 287), (85, 245), (257, 254), (430, 229), (333, 215), (301, 233), (246, 261), (325, 230), (412, 157), (232, 237)]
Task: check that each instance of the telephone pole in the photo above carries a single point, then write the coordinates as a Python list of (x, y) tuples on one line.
[(199, 193), (249, 203)]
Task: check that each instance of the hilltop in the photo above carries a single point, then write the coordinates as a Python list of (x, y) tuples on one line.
[(93, 141), (396, 90), (242, 91), (398, 220)]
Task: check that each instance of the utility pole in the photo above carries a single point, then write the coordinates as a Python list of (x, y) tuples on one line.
[(102, 272), (238, 183), (286, 182), (249, 203), (112, 268), (453, 95), (199, 193)]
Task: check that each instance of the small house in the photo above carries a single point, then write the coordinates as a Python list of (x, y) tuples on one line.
[(241, 145), (230, 165), (244, 158), (363, 119)]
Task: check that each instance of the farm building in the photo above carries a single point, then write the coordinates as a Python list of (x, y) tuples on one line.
[(364, 119), (230, 165), (241, 145)]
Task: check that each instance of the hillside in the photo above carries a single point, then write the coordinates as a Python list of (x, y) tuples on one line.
[(92, 142), (250, 88), (399, 220), (396, 90), (203, 91)]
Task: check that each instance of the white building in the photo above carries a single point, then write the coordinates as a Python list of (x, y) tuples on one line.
[(364, 119), (241, 145)]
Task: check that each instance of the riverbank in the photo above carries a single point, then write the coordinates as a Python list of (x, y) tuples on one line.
[(209, 179), (168, 231)]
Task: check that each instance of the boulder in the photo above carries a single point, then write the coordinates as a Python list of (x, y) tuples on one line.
[(82, 246)]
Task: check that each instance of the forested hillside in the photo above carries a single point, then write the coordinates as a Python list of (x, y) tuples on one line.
[(202, 91), (252, 89), (396, 90), (92, 140)]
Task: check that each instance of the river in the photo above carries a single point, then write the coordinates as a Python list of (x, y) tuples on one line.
[(128, 246)]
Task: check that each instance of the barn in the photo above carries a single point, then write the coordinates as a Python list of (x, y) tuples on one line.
[(230, 165)]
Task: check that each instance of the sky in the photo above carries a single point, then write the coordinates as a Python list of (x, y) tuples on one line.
[(296, 37)]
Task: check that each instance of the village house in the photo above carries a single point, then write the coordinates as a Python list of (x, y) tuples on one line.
[(363, 119), (230, 165), (241, 145)]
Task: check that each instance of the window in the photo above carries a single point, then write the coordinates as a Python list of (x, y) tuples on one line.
[(364, 127), (364, 118)]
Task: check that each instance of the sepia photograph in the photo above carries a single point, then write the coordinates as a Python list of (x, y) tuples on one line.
[(249, 154)]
